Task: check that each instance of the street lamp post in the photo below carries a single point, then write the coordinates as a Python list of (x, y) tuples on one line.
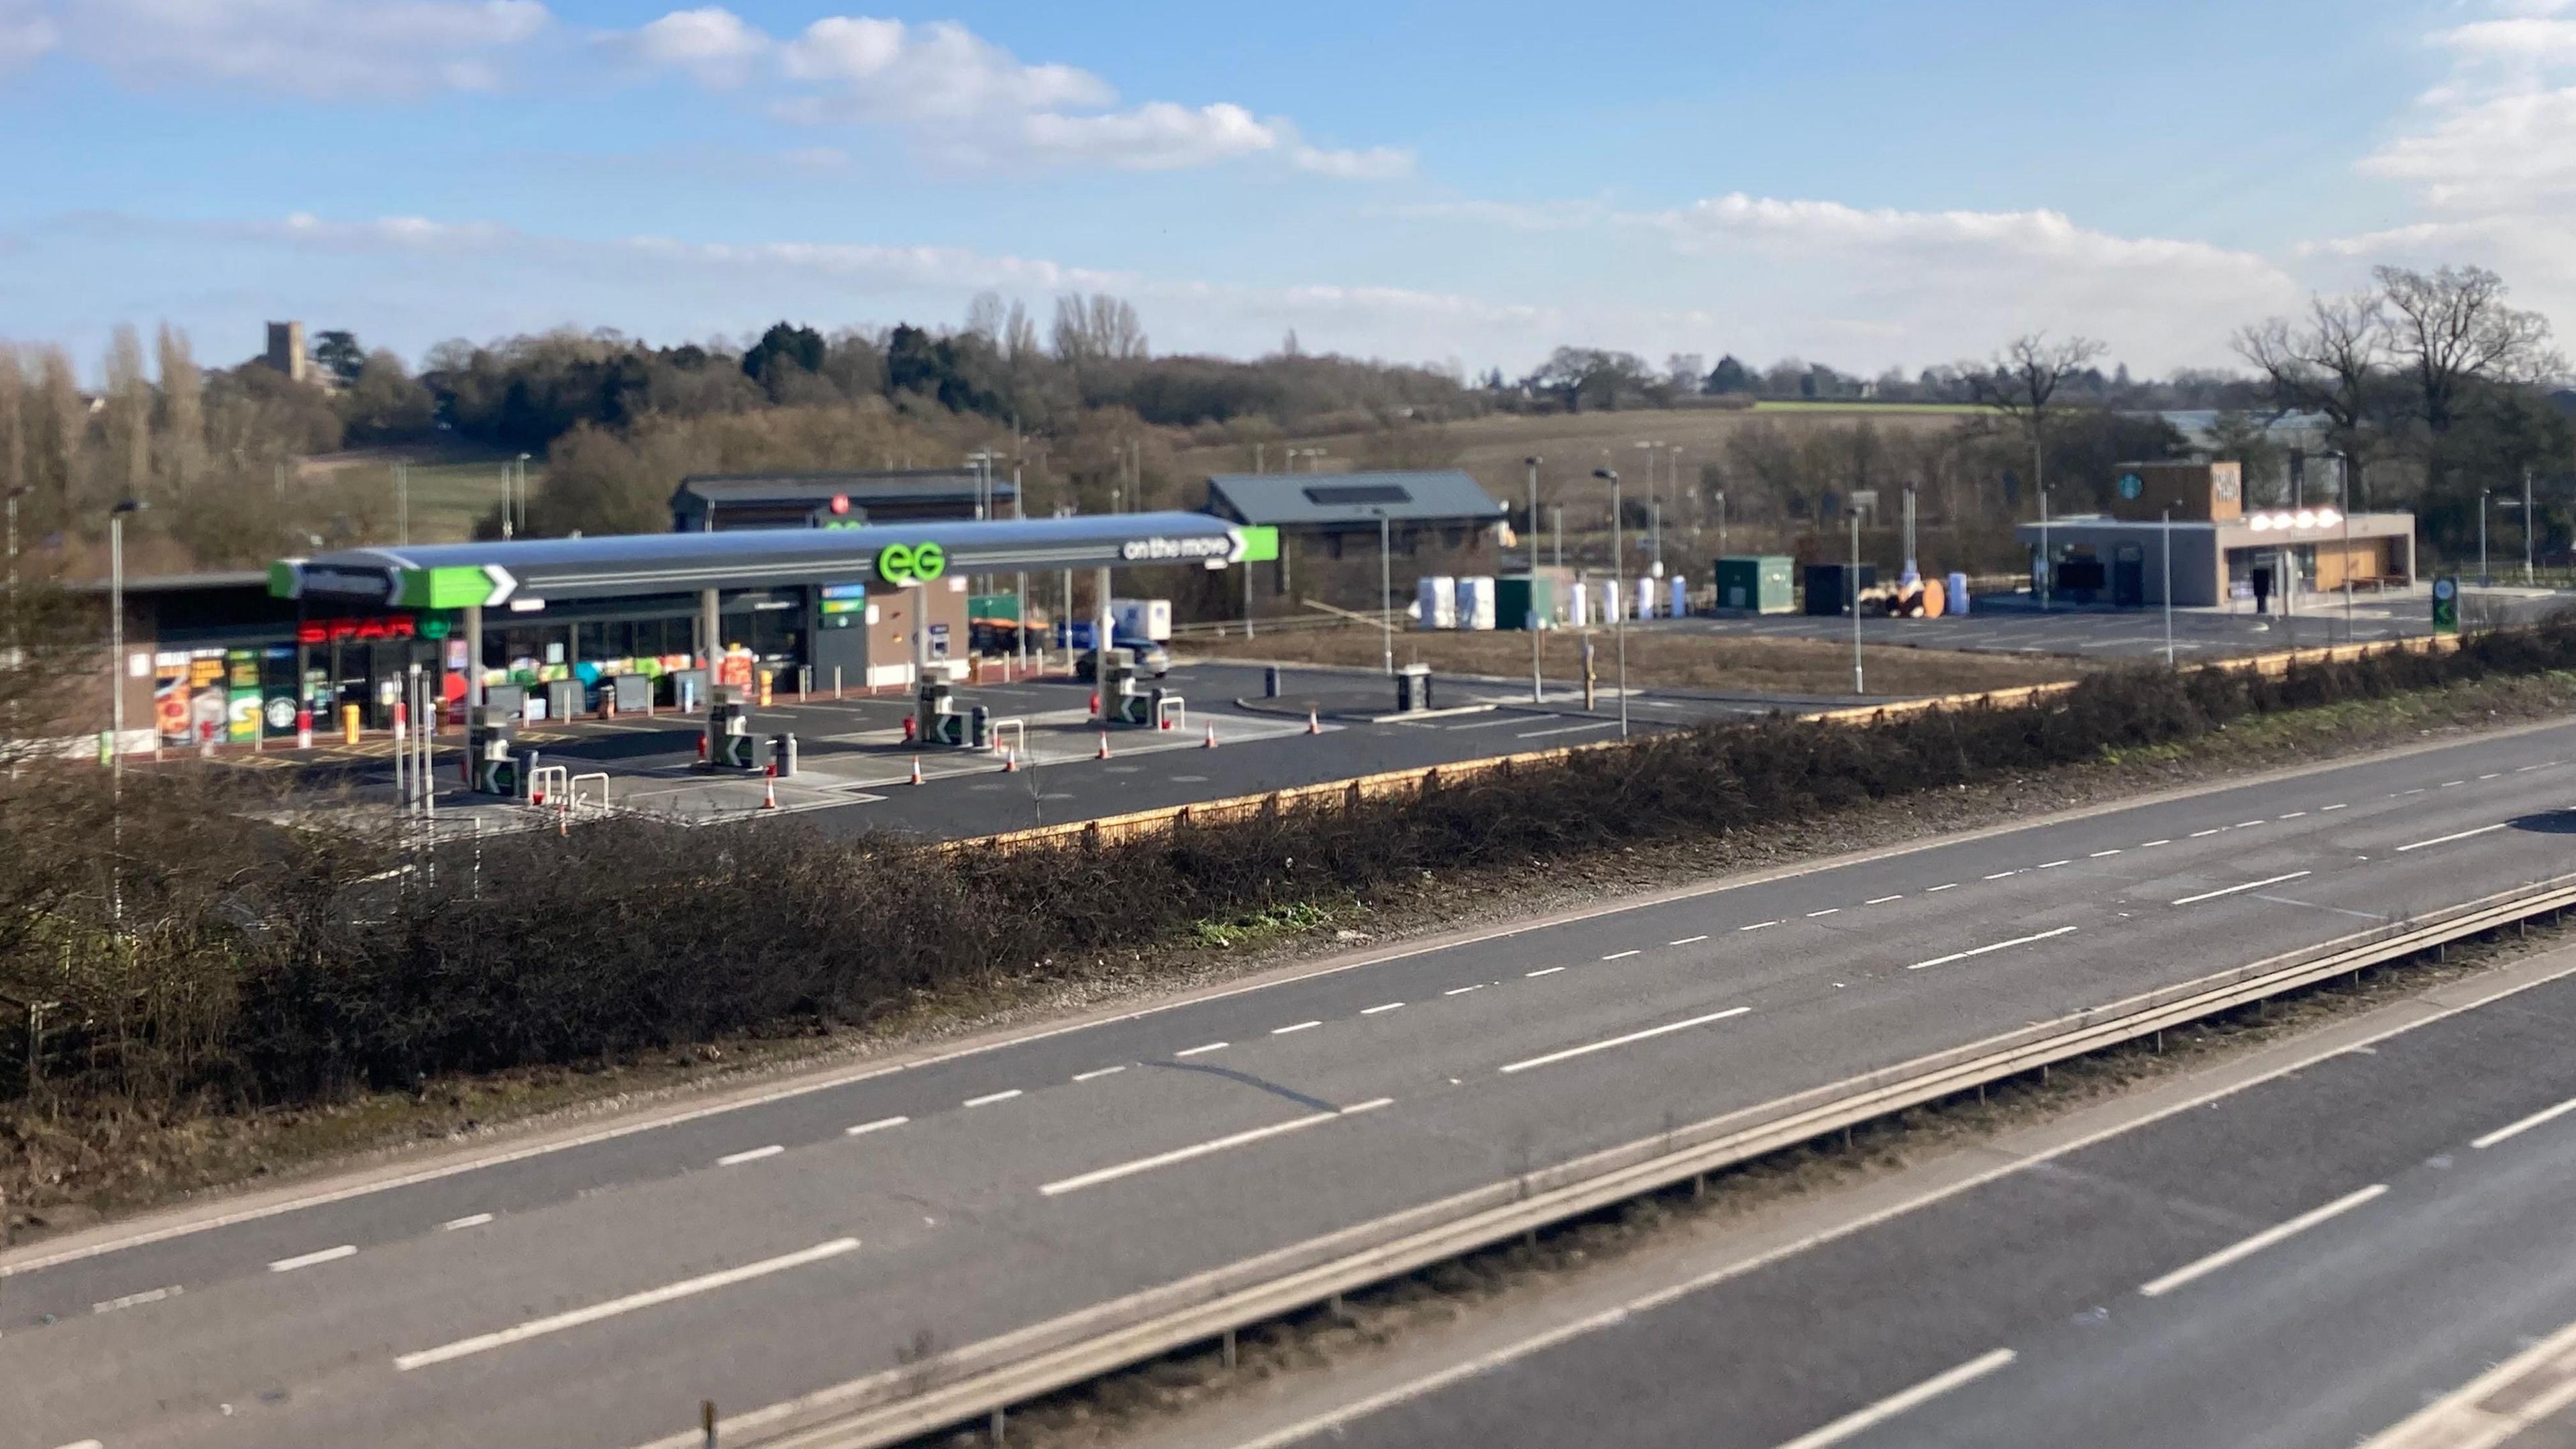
[(1618, 589), (2169, 640), (2484, 582), (1851, 596), (2047, 566), (1538, 683), (2527, 570), (1386, 589), (402, 501), (116, 700), (523, 490)]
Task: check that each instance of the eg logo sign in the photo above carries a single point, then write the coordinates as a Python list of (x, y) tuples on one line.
[(911, 563)]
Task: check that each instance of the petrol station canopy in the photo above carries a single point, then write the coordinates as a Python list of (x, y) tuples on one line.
[(495, 573)]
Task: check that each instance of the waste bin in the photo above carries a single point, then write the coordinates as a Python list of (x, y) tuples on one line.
[(782, 755), (1413, 688)]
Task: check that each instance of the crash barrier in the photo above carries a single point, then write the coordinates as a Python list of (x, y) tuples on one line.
[(1110, 830), (549, 782), (981, 1381), (574, 794)]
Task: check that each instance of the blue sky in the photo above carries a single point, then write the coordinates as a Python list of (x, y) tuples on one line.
[(1871, 184)]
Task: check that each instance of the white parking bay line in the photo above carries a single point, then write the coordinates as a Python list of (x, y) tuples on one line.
[(1998, 946), (737, 1159), (1757, 925), (2447, 839), (1201, 1149), (2251, 885), (989, 1098), (1543, 971), (1197, 1051), (307, 1260), (1687, 941), (1861, 1421), (1288, 1030), (1621, 955), (2190, 1271), (137, 1300), (882, 1123), (1620, 1041), (1882, 900), (2516, 1129), (669, 1292), (470, 1220), (1374, 1010)]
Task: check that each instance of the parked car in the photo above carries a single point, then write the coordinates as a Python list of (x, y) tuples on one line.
[(1153, 661)]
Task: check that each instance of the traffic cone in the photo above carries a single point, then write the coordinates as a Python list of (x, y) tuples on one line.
[(1211, 739), (916, 769), (1104, 745), (1314, 726), (1010, 762), (702, 749), (769, 789)]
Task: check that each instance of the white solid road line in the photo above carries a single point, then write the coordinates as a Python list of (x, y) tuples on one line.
[(1861, 1421), (1183, 1154), (737, 1159), (2516, 1129), (989, 1098), (1374, 1010), (470, 1220), (2251, 885), (1620, 1041), (84, 1444), (307, 1260), (669, 1292), (1301, 1026), (1998, 946), (1199, 1051), (2447, 839), (2190, 1272), (882, 1123)]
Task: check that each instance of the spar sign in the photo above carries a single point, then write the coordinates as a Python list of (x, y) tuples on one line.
[(911, 563)]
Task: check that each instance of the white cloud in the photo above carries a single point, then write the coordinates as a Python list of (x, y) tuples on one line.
[(1156, 137), (712, 44), (320, 49), (25, 33), (968, 102)]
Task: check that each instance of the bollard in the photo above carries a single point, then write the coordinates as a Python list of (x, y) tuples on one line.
[(836, 681), (1270, 681), (348, 724), (707, 1421), (304, 729)]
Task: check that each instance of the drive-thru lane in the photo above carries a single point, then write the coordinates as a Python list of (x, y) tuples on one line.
[(608, 1284)]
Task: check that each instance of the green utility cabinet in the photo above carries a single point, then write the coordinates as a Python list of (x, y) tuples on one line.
[(1518, 598), (1757, 583)]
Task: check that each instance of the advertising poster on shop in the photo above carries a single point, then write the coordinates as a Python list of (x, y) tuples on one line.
[(279, 677), (170, 696), (241, 690), (208, 696)]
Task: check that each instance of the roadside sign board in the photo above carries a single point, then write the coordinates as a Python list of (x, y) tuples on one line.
[(2446, 605)]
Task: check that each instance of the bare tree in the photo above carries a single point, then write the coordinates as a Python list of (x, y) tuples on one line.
[(984, 316), (2452, 330), (2335, 362), (128, 411), (183, 409), (2021, 386), (1100, 328)]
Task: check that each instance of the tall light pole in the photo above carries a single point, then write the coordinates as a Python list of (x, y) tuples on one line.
[(1721, 523), (523, 491), (1654, 519), (507, 527), (402, 501), (1538, 684), (1386, 588), (1618, 588), (2484, 582), (2168, 537), (2527, 572), (116, 701), (1851, 596), (2047, 566)]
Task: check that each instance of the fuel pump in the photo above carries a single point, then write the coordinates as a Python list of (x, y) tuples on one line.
[(729, 738)]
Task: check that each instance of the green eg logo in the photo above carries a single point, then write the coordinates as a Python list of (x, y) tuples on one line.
[(911, 563)]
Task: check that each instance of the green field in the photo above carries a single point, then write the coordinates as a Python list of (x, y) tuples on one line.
[(448, 491), (1867, 408)]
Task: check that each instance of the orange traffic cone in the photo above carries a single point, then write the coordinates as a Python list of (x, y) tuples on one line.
[(1010, 762), (1211, 739), (1104, 745), (916, 769), (1314, 726), (769, 791)]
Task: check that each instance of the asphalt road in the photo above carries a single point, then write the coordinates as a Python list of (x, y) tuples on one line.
[(2301, 1263), (2011, 626), (591, 1289)]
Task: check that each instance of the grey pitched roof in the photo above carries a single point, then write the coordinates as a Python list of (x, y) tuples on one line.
[(1312, 499), (866, 485)]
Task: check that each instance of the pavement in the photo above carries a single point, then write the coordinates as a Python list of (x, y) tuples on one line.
[(2302, 1256), (590, 1287), (856, 769)]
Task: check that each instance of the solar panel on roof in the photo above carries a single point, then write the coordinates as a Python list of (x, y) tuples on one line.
[(1345, 493)]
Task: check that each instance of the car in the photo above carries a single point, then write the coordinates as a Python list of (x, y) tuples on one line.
[(1153, 661)]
